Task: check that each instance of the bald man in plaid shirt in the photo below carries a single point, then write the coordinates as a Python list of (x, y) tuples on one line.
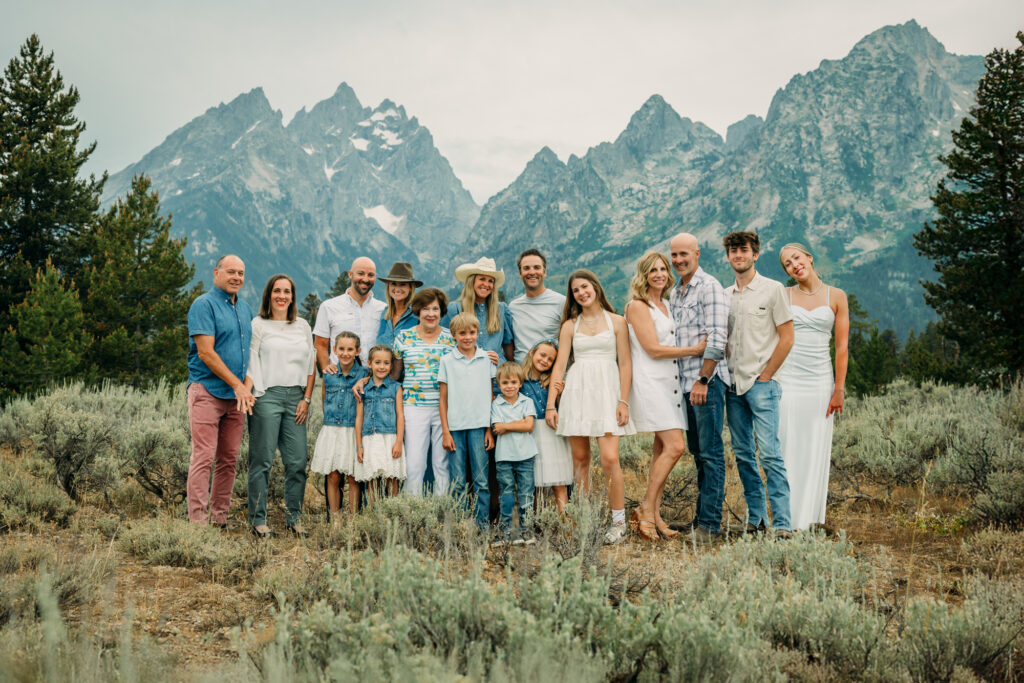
[(700, 309)]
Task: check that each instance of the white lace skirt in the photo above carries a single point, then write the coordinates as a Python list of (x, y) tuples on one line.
[(553, 464), (335, 450), (377, 460)]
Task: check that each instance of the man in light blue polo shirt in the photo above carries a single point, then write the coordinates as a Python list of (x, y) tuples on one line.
[(536, 314), (464, 380), (220, 329)]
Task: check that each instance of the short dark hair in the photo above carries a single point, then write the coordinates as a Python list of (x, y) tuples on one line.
[(740, 238), (265, 311), (427, 296), (531, 252)]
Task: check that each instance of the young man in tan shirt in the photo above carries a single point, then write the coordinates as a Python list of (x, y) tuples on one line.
[(760, 337)]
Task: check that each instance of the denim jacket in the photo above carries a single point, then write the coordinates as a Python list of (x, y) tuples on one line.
[(539, 395), (379, 413), (339, 402)]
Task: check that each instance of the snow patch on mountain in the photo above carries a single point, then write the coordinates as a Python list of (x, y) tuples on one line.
[(388, 221), (361, 144)]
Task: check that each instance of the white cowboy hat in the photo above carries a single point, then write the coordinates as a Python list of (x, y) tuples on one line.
[(483, 266)]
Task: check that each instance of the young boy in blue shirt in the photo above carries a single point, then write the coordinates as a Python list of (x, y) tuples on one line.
[(464, 379), (512, 416)]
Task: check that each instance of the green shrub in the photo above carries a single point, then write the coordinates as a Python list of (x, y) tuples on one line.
[(27, 502), (436, 525), (995, 552), (179, 543), (72, 579)]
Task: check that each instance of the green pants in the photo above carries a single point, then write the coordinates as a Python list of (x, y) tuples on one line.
[(271, 427)]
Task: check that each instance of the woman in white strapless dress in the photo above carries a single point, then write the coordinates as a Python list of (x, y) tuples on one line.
[(595, 399), (810, 395), (655, 396)]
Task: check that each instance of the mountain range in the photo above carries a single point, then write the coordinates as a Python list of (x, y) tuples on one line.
[(844, 161)]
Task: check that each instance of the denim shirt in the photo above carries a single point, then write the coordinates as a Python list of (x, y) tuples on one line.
[(379, 412), (486, 340), (229, 322), (532, 390), (339, 401), (386, 332)]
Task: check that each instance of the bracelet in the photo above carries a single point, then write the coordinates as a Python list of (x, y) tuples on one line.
[(624, 402), (547, 410)]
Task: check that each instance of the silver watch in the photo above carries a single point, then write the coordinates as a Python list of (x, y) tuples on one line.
[(306, 399)]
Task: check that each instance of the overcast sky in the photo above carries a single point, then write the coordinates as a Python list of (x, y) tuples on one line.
[(493, 81)]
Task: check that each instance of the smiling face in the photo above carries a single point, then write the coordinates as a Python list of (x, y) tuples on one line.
[(380, 364), (430, 316), (583, 292), (229, 275), (532, 272), (483, 285), (509, 386), (346, 349), (685, 255), (544, 357), (363, 274), (657, 276), (466, 339), (742, 258), (399, 291), (281, 296), (797, 264)]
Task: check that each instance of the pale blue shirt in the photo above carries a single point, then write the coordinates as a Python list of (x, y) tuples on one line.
[(513, 446), (535, 319), (469, 388)]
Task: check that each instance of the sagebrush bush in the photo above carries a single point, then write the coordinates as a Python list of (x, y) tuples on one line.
[(179, 543), (28, 502), (72, 579), (959, 441)]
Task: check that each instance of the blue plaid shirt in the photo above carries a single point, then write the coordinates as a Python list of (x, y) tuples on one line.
[(701, 309)]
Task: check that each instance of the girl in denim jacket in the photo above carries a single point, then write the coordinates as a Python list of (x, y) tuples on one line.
[(380, 425), (335, 452)]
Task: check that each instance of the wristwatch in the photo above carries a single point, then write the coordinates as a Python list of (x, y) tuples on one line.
[(306, 399), (704, 380)]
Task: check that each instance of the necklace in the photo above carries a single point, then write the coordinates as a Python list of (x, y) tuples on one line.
[(812, 293)]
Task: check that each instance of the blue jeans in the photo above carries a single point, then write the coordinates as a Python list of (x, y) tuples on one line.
[(756, 414), (513, 476), (704, 439), (470, 443)]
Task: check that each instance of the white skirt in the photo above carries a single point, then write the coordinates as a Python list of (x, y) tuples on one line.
[(377, 460), (335, 450), (590, 399), (553, 464)]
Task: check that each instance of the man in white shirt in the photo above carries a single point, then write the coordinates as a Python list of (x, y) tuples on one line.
[(760, 337), (354, 311), (537, 314)]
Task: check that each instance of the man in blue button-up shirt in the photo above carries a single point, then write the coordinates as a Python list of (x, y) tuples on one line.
[(219, 328)]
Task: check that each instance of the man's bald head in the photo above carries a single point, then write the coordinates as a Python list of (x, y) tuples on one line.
[(363, 274), (685, 253), (229, 274)]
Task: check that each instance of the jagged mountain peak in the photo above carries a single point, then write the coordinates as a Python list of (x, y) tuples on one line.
[(253, 105), (907, 38)]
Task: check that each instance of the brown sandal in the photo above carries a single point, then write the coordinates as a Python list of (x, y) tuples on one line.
[(643, 524), (664, 529)]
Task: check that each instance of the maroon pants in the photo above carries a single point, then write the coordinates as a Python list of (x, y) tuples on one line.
[(216, 436)]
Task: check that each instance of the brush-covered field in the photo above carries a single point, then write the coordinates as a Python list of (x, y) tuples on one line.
[(917, 575)]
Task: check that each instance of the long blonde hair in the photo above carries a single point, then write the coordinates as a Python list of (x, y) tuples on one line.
[(544, 378), (638, 288), (468, 301)]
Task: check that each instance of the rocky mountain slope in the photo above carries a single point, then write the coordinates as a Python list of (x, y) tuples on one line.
[(339, 180), (844, 161)]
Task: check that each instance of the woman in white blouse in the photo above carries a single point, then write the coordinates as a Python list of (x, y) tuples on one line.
[(281, 374)]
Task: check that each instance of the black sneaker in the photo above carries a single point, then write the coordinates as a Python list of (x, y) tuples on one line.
[(683, 526), (517, 538)]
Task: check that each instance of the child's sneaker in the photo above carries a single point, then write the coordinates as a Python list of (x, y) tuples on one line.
[(615, 534), (501, 538), (529, 538), (517, 538)]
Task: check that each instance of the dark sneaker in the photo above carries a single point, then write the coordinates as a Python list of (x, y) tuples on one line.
[(501, 538), (529, 538), (705, 535), (517, 538), (783, 534), (683, 526)]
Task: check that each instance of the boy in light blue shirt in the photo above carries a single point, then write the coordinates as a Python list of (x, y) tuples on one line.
[(512, 416), (464, 379)]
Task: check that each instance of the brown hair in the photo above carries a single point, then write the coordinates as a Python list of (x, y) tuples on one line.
[(572, 308), (390, 310), (426, 297), (265, 311), (511, 369), (380, 348), (638, 288), (463, 321), (740, 238)]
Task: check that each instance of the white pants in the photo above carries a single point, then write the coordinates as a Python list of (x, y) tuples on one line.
[(423, 436)]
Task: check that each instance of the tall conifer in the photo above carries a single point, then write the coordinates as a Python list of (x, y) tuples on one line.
[(137, 289), (977, 242), (44, 205)]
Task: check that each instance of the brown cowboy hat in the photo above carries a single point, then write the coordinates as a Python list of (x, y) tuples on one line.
[(402, 272)]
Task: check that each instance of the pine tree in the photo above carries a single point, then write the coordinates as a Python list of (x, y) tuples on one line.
[(46, 341), (977, 242), (44, 205), (309, 308), (137, 294), (339, 287)]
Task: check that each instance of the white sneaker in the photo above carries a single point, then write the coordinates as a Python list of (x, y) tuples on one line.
[(615, 534)]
